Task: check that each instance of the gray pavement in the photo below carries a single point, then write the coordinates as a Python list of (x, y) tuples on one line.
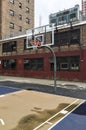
[(59, 83), (65, 88)]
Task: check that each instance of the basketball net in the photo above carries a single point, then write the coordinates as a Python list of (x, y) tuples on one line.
[(35, 47)]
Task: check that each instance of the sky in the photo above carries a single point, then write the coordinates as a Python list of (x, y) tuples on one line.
[(45, 7)]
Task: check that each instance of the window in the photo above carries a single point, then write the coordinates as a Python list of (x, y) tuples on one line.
[(11, 12), (33, 64), (67, 63), (53, 20), (74, 63), (9, 64), (61, 38), (27, 10), (75, 36), (28, 1), (62, 19), (64, 66), (9, 46), (11, 1), (27, 20), (67, 37), (20, 28), (20, 5), (20, 16), (11, 25), (73, 15), (63, 63)]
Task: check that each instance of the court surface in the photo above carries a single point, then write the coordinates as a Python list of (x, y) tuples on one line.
[(76, 120), (31, 110)]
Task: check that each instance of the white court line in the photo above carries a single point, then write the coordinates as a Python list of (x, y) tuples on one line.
[(49, 123), (16, 92), (66, 115), (2, 96), (64, 112), (55, 115), (2, 122)]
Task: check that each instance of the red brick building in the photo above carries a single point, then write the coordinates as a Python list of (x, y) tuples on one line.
[(69, 47)]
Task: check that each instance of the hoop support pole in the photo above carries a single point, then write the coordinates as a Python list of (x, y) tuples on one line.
[(54, 59)]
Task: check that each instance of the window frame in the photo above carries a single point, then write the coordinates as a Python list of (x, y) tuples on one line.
[(35, 64), (11, 25), (20, 5), (11, 12), (11, 1), (20, 16), (67, 37), (9, 46), (9, 64), (27, 20), (28, 1), (27, 10), (72, 63), (20, 28)]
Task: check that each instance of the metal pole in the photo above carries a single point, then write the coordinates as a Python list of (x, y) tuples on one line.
[(54, 58)]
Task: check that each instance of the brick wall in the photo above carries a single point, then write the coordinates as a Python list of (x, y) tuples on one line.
[(83, 36), (62, 48), (0, 17), (6, 18)]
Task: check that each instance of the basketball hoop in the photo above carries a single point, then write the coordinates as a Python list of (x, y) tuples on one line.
[(34, 39), (35, 42)]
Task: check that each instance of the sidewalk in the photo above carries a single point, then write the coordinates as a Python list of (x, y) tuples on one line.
[(63, 84)]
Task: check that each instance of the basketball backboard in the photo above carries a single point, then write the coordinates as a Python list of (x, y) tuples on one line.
[(40, 36)]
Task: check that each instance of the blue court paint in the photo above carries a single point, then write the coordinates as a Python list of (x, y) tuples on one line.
[(6, 90), (74, 121)]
